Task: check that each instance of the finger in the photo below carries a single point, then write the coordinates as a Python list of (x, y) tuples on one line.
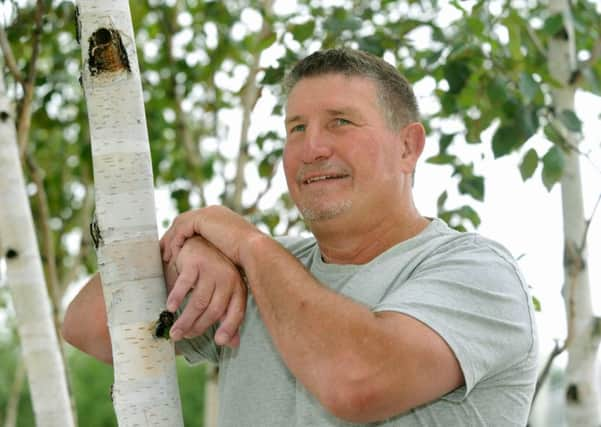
[(233, 318), (164, 245), (235, 341), (200, 298), (175, 245), (183, 283), (170, 273), (215, 311)]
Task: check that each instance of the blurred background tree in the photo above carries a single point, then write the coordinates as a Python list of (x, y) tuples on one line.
[(211, 73)]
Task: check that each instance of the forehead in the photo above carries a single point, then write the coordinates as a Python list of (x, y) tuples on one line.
[(329, 91)]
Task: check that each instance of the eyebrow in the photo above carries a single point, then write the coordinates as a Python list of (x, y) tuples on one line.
[(344, 111), (296, 118)]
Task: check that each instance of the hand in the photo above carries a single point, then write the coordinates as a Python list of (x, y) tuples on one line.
[(217, 292), (223, 228)]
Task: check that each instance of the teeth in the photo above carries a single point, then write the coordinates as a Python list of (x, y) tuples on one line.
[(320, 178)]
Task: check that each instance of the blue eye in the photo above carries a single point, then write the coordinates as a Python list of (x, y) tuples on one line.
[(341, 122)]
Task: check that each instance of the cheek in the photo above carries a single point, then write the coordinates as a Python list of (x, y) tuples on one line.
[(290, 167)]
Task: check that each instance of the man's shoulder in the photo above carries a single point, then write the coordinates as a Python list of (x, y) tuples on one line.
[(448, 241)]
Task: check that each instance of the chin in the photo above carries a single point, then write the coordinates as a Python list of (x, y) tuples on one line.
[(312, 214)]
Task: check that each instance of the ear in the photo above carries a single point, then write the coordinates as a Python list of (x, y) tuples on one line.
[(413, 139)]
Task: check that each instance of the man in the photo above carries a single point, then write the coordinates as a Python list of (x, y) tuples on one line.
[(383, 317)]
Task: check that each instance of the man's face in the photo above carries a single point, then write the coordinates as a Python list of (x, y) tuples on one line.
[(340, 156)]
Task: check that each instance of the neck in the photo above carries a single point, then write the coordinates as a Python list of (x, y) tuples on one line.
[(343, 241)]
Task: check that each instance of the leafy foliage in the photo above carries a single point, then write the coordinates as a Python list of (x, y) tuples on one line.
[(488, 68)]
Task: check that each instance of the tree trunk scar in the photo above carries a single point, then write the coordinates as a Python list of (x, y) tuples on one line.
[(106, 52), (77, 26), (11, 253), (95, 233), (572, 395)]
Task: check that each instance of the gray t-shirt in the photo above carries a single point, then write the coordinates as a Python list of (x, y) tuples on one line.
[(466, 288)]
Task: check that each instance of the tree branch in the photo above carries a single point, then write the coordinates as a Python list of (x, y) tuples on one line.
[(47, 246), (252, 208), (557, 350), (193, 155), (9, 57), (250, 93), (587, 226), (24, 119)]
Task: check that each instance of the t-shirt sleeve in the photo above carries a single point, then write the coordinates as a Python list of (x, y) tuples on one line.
[(475, 298)]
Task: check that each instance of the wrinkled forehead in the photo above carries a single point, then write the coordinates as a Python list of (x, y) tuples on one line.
[(337, 87)]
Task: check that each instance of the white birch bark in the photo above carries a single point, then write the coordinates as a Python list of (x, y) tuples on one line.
[(145, 392), (39, 342), (583, 406)]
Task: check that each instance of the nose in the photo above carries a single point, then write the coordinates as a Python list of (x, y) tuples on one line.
[(317, 145)]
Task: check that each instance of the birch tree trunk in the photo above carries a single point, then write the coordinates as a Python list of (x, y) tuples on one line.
[(145, 392), (582, 342), (39, 342)]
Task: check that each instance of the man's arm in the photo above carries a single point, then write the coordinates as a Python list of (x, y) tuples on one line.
[(362, 366), (85, 325), (217, 293)]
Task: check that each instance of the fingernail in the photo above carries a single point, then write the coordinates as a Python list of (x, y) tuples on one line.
[(221, 337), (175, 334), (171, 306)]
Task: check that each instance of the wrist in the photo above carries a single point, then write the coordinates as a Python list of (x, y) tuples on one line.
[(252, 247)]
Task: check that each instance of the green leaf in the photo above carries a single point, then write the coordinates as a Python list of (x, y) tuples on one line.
[(470, 214), (528, 123), (570, 120), (553, 135), (536, 303), (528, 86), (506, 138), (441, 200), (515, 40), (441, 159), (456, 73), (553, 24), (529, 164), (266, 167), (472, 185), (302, 32), (475, 25), (553, 165), (445, 140), (497, 90), (273, 75)]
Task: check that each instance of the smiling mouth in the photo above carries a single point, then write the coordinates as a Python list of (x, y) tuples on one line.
[(323, 178)]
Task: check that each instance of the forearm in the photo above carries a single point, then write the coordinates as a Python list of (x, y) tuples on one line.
[(329, 342)]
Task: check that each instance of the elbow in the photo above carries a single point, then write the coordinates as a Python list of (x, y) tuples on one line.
[(364, 396), (360, 398), (353, 403)]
